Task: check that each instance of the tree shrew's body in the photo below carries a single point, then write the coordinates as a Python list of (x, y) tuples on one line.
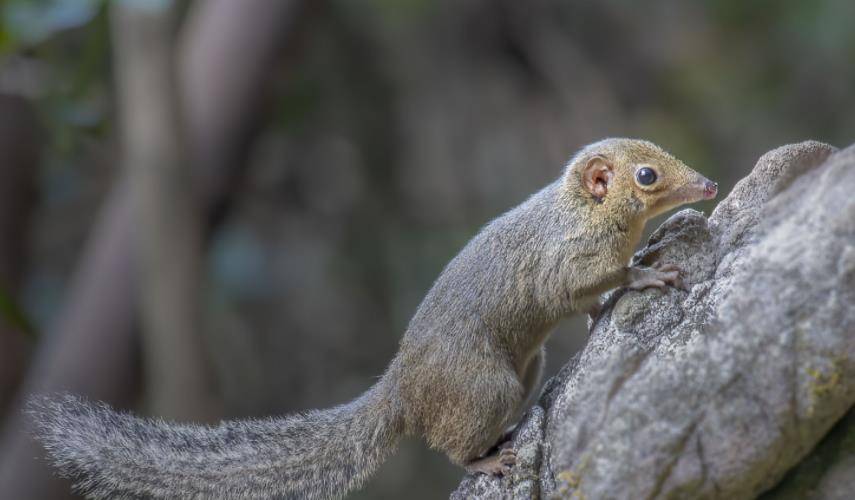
[(468, 363)]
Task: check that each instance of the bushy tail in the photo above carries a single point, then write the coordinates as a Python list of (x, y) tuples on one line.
[(319, 454)]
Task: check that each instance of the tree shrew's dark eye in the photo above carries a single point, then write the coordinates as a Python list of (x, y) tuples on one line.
[(645, 176)]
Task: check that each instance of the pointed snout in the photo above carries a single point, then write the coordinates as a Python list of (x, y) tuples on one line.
[(698, 189), (703, 188), (710, 189)]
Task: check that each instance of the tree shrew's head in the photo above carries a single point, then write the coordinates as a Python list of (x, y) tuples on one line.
[(636, 178)]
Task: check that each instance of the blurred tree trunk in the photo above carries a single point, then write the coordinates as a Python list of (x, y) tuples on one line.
[(228, 50), (168, 233), (90, 350), (19, 151)]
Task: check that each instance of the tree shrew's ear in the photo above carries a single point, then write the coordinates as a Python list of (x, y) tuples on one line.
[(597, 176)]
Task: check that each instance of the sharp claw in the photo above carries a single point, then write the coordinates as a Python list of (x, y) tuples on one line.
[(673, 278)]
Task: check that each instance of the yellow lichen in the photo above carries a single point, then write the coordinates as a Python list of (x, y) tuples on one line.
[(822, 382), (568, 478), (569, 481)]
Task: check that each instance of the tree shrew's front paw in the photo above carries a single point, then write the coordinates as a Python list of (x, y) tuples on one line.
[(654, 277), (498, 464)]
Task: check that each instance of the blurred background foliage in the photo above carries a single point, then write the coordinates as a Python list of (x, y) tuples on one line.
[(391, 131)]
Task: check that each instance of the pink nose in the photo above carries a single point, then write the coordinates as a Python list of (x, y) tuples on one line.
[(710, 190)]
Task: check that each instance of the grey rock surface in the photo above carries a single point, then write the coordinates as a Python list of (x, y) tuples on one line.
[(828, 473), (718, 390)]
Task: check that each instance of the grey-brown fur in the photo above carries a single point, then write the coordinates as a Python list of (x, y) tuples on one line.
[(118, 455), (470, 357)]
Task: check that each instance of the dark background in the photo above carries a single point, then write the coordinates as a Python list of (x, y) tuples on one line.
[(335, 155)]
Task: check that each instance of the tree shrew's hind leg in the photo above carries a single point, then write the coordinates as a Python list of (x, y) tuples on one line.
[(503, 457)]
